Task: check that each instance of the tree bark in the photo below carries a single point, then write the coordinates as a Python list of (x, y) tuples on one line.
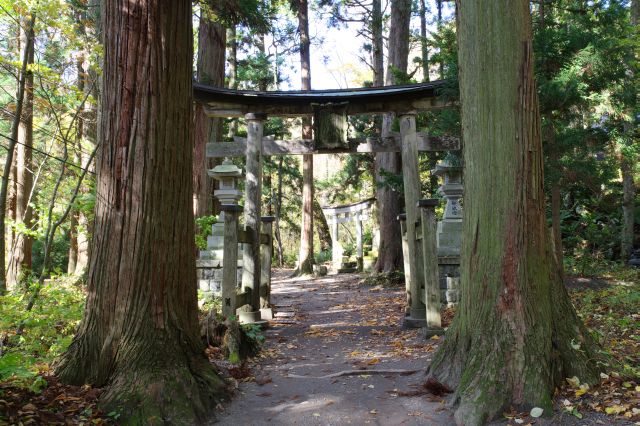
[(139, 335), (21, 244), (516, 335), (390, 250), (305, 257), (212, 41)]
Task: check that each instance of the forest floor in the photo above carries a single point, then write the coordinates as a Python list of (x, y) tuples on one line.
[(332, 334), (324, 326)]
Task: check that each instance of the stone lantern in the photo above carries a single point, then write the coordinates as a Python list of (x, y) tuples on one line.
[(449, 233), (228, 174), (450, 228), (210, 260)]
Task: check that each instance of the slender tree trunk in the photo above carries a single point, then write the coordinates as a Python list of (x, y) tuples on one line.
[(627, 164), (390, 250), (439, 26), (139, 336), (210, 70), (74, 216), (73, 243), (556, 224), (423, 41), (232, 60), (378, 43), (516, 335), (278, 211), (90, 132), (24, 73), (20, 251), (305, 258)]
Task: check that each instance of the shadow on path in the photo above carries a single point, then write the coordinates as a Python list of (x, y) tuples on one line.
[(315, 369)]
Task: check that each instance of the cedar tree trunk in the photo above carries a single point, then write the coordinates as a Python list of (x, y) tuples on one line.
[(516, 335), (212, 40), (305, 258), (390, 250), (139, 336)]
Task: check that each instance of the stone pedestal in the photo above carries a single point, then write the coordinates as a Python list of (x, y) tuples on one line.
[(449, 232)]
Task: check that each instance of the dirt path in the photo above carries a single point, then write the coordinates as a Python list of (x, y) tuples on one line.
[(327, 326)]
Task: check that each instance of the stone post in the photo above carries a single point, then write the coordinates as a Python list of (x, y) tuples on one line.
[(252, 209), (266, 251), (402, 218), (359, 251), (411, 179), (430, 265), (336, 248), (230, 258)]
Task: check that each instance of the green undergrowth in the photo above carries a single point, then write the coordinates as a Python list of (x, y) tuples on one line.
[(384, 279), (613, 315), (601, 269), (48, 330)]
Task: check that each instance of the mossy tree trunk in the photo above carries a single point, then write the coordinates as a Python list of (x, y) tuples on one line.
[(139, 336), (516, 335)]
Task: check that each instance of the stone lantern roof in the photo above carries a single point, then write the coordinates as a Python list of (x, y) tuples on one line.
[(226, 170)]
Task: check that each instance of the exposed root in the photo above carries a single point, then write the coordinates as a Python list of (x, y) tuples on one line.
[(355, 373)]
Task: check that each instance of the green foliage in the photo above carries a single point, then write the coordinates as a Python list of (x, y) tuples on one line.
[(203, 230), (48, 330), (253, 333), (322, 257)]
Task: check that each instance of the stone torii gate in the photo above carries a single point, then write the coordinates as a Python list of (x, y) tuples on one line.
[(355, 212), (330, 109)]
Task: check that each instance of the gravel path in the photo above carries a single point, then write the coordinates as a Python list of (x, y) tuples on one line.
[(331, 325)]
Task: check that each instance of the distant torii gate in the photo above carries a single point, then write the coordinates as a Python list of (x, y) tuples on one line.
[(330, 109)]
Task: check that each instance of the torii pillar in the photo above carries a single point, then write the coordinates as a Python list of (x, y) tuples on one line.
[(417, 313), (252, 210)]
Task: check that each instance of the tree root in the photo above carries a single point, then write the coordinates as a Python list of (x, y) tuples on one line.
[(355, 373)]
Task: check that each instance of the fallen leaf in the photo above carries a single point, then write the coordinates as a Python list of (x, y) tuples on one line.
[(536, 412), (574, 381)]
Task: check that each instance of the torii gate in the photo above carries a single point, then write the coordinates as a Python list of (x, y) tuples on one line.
[(330, 109)]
